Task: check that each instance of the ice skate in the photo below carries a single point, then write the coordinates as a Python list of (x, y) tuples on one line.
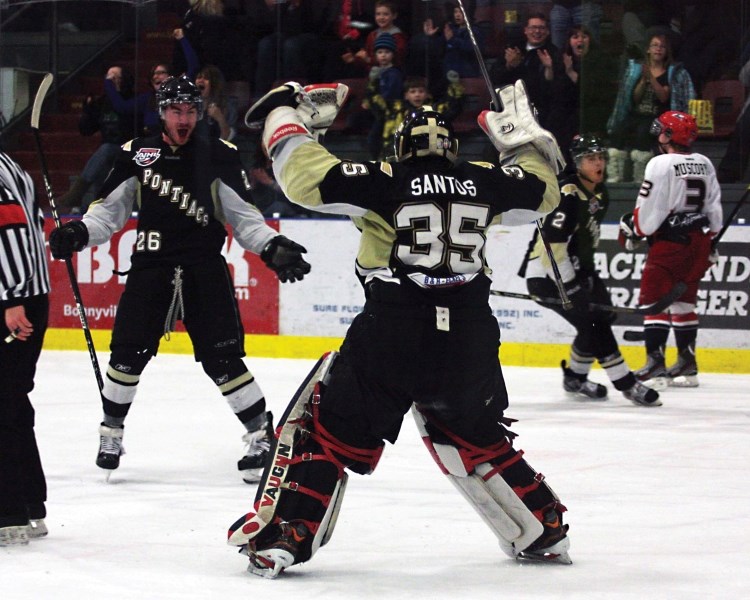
[(574, 384), (278, 553), (553, 545), (684, 373), (110, 448), (642, 395), (258, 444), (14, 535), (37, 528), (654, 373)]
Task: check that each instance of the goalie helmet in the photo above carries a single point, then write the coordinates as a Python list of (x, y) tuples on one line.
[(680, 127), (585, 144), (425, 133), (179, 90)]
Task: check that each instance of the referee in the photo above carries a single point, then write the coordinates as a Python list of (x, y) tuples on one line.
[(24, 286)]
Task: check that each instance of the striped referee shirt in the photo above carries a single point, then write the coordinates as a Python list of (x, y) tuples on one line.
[(23, 259)]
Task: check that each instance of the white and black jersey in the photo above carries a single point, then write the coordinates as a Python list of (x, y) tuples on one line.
[(23, 259), (184, 196), (677, 183)]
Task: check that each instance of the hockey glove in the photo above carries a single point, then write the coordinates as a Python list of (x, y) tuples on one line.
[(627, 237), (319, 105), (71, 237), (516, 125), (284, 257)]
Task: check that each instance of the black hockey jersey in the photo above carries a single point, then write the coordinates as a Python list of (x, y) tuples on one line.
[(423, 225), (572, 231), (184, 195)]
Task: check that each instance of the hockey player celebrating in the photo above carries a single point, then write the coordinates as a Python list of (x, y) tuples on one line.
[(185, 189), (573, 232), (427, 339), (679, 210)]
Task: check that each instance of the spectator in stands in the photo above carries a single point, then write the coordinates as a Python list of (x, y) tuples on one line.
[(535, 60), (143, 106), (734, 163), (582, 97), (647, 89), (345, 37), (460, 55), (207, 30), (426, 52), (385, 15), (292, 52), (564, 14), (390, 85), (220, 116), (115, 129), (416, 95)]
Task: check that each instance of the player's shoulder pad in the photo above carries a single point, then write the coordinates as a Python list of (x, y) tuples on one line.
[(572, 189)]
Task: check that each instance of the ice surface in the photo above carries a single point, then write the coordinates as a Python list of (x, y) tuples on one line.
[(658, 498)]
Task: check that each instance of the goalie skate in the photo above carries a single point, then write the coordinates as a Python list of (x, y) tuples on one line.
[(279, 553)]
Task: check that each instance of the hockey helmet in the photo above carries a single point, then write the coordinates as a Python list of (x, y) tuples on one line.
[(680, 127), (179, 90), (585, 144), (425, 133)]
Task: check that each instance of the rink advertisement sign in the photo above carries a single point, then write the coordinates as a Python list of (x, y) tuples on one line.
[(330, 297), (97, 271)]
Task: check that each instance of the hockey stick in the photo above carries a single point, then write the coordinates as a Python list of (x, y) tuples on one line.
[(730, 218), (496, 105), (647, 309), (36, 112)]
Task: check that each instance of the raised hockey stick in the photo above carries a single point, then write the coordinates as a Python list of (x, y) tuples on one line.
[(497, 106), (36, 112), (730, 218), (647, 309)]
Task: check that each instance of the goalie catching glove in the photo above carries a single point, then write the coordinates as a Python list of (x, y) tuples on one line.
[(317, 105), (516, 125)]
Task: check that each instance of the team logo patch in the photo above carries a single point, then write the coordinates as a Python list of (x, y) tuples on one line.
[(146, 156)]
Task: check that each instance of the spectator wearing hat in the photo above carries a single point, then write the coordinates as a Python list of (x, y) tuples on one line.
[(388, 81)]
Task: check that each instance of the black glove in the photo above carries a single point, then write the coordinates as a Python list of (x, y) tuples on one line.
[(284, 257), (71, 237)]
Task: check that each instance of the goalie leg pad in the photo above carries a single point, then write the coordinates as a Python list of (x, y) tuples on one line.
[(305, 481), (503, 489)]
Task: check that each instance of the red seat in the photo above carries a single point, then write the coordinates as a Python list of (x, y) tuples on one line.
[(727, 98)]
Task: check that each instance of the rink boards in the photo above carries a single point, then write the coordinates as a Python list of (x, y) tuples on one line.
[(305, 319)]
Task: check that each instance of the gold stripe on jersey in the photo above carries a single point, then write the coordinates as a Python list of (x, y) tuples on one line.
[(304, 171)]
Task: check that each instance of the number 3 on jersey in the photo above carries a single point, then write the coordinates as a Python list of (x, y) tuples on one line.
[(454, 240)]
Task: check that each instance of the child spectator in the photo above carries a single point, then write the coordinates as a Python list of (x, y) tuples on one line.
[(416, 96), (459, 49), (390, 84)]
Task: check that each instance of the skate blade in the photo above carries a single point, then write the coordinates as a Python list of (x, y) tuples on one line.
[(684, 381), (556, 554), (269, 563), (657, 383)]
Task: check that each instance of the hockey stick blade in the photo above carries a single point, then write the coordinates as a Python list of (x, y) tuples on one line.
[(634, 335), (41, 94), (649, 309)]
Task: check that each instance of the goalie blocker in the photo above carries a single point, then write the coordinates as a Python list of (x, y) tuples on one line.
[(306, 480)]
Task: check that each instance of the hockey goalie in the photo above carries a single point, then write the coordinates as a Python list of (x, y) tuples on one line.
[(426, 341)]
